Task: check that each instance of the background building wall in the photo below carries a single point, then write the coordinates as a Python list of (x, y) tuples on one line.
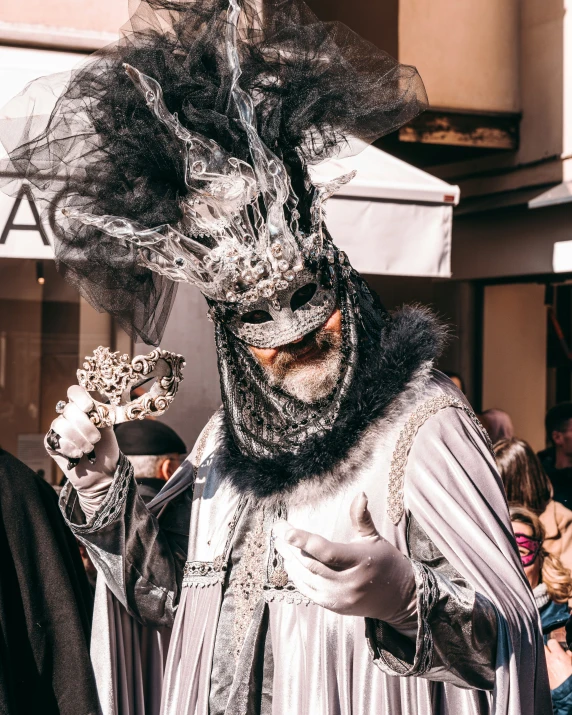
[(466, 52), (514, 357), (374, 21), (190, 333), (509, 242), (103, 16), (542, 80)]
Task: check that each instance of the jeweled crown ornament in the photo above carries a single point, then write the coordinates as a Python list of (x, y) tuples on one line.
[(239, 241)]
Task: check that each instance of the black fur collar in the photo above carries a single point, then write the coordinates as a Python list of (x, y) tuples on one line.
[(412, 338)]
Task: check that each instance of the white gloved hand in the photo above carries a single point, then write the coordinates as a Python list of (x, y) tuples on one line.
[(79, 437), (368, 577)]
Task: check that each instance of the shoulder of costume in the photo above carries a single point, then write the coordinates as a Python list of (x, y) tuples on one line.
[(209, 430)]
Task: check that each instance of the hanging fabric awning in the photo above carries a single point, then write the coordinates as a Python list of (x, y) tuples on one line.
[(392, 218)]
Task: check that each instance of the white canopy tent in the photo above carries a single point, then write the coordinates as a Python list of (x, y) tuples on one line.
[(391, 219)]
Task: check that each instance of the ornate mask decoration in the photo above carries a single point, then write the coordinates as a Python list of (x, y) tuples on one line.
[(239, 241), (114, 376), (180, 154)]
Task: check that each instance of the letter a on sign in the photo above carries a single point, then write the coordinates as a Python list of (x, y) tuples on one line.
[(11, 225)]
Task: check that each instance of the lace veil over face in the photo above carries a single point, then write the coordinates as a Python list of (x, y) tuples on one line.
[(180, 153)]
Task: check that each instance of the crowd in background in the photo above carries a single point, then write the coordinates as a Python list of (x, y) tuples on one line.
[(539, 493)]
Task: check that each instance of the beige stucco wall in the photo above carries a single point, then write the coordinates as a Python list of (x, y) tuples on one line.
[(191, 334), (514, 357), (542, 79), (100, 16), (466, 51)]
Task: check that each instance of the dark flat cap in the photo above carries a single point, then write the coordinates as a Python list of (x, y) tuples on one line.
[(148, 437)]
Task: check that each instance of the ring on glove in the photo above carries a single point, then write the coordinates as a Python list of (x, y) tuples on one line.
[(53, 440)]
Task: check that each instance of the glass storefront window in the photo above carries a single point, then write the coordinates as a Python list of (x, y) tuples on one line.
[(39, 351), (46, 330)]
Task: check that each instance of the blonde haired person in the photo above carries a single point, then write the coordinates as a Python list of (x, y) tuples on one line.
[(527, 484), (551, 585)]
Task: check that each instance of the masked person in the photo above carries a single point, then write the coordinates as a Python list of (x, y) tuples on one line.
[(347, 546), (551, 585)]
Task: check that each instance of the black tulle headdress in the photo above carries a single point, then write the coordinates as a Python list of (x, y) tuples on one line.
[(180, 153), (103, 153)]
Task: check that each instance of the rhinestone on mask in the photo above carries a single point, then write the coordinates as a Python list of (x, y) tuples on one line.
[(276, 249), (251, 296), (266, 289)]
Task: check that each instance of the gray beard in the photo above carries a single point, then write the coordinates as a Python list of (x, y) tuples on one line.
[(312, 381)]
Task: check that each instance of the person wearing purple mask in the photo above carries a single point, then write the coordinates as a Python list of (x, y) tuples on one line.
[(527, 484), (551, 585)]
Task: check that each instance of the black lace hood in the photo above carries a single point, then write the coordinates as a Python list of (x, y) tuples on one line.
[(411, 339)]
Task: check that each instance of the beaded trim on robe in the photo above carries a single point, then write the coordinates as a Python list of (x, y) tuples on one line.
[(405, 442), (113, 502), (206, 573), (249, 578)]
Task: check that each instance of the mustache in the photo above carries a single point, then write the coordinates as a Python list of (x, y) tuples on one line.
[(321, 339)]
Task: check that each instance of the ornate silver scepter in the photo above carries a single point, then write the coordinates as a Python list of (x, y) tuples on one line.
[(114, 376)]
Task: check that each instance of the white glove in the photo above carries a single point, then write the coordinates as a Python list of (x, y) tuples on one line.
[(368, 577), (78, 437)]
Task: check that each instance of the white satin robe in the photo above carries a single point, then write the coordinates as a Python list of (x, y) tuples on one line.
[(444, 475)]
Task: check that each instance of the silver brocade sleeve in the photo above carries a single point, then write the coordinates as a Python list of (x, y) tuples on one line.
[(141, 557), (456, 636)]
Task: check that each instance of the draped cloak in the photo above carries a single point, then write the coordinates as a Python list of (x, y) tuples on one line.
[(426, 463), (45, 603)]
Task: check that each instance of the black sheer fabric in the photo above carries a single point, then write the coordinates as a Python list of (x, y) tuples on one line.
[(99, 150)]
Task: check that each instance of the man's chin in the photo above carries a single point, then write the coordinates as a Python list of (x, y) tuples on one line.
[(311, 382), (308, 395), (308, 372)]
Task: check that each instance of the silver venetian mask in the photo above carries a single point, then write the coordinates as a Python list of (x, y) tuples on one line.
[(291, 314)]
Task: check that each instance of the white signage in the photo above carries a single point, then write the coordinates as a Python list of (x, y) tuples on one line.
[(22, 232), (562, 257)]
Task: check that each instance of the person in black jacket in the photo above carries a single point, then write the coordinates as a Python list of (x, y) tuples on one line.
[(155, 450), (45, 603), (557, 459)]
